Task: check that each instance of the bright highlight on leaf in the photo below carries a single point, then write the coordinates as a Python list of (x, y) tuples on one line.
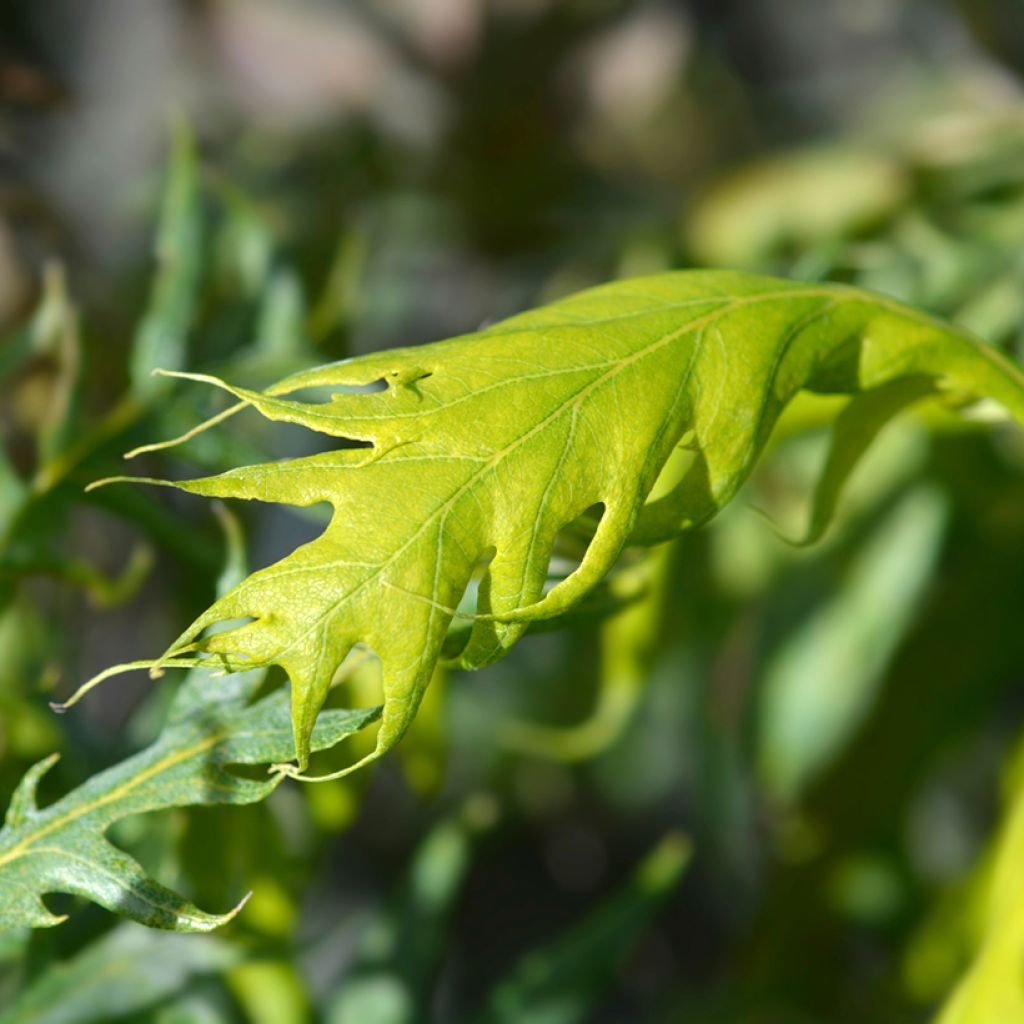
[(490, 443)]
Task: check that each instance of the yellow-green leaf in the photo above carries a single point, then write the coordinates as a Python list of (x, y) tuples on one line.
[(485, 446)]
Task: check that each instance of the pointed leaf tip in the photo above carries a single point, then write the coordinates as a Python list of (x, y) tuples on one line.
[(23, 801)]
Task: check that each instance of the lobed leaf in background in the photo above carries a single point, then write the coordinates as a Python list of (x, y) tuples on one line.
[(63, 847), (392, 977), (483, 448)]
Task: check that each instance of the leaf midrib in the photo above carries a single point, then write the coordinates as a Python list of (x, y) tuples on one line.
[(164, 764)]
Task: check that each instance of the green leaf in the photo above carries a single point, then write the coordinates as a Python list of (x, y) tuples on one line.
[(12, 495), (627, 645), (390, 980), (485, 446), (63, 848), (992, 986), (55, 335), (281, 330), (49, 345), (125, 972), (793, 202), (163, 332), (558, 984), (270, 992), (856, 427), (821, 683)]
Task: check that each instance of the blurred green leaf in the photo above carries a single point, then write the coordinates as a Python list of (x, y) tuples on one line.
[(628, 642), (244, 244), (54, 330), (12, 494), (791, 203), (856, 427), (991, 989), (270, 991), (162, 335), (127, 971), (340, 299), (558, 984), (281, 328), (820, 684), (391, 978)]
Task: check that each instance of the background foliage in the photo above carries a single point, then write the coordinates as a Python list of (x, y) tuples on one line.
[(834, 729)]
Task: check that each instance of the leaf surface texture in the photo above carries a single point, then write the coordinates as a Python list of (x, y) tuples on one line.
[(483, 447)]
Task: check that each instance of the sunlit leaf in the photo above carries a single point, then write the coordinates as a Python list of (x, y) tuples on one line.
[(991, 989), (487, 445)]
